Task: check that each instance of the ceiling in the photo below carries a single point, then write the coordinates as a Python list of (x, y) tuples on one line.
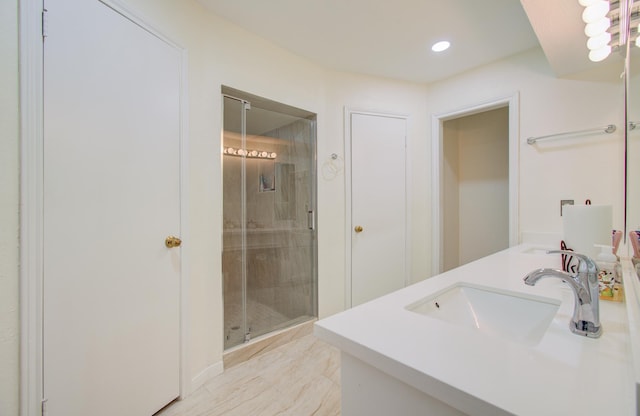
[(393, 38)]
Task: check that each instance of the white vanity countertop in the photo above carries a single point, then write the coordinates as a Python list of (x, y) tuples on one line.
[(564, 374)]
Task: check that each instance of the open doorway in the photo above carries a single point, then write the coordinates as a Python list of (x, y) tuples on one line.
[(475, 183)]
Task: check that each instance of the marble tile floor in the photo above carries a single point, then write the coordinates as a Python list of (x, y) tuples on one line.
[(300, 378)]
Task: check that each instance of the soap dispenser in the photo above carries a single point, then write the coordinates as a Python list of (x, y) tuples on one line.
[(609, 277)]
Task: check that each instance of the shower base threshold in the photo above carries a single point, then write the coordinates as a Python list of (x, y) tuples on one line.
[(265, 343)]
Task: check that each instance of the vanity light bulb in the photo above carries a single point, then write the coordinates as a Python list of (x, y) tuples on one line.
[(599, 41), (231, 150), (242, 152), (273, 155), (598, 27), (595, 11), (253, 153), (587, 3), (598, 55)]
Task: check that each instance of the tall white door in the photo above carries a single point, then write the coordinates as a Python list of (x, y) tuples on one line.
[(111, 197), (378, 205)]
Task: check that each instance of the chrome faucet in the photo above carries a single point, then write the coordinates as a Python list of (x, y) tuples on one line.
[(584, 284)]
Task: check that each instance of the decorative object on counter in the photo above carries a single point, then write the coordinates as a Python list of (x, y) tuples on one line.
[(609, 275), (634, 237), (586, 225), (616, 237), (568, 263)]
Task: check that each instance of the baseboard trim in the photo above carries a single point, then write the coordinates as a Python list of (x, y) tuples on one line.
[(204, 376)]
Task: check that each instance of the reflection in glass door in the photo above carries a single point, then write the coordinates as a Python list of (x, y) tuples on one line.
[(269, 234)]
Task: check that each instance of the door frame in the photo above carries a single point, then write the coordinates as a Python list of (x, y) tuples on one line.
[(437, 136), (31, 73), (348, 112)]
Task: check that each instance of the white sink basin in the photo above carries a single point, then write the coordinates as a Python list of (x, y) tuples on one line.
[(490, 311)]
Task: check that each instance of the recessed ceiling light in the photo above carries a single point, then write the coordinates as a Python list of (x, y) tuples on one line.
[(440, 46)]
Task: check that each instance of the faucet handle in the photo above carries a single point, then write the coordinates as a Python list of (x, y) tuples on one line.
[(591, 265)]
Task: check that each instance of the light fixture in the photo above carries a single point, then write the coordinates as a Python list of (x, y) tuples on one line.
[(598, 41), (598, 18), (598, 27), (600, 54), (595, 11), (443, 45), (251, 154)]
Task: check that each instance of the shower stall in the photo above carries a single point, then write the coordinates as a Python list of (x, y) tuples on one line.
[(269, 258)]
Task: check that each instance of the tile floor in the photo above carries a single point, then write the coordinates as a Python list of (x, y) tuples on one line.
[(300, 378)]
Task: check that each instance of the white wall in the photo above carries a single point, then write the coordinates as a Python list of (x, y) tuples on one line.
[(575, 168), (450, 195), (385, 96), (484, 184), (9, 203), (475, 186)]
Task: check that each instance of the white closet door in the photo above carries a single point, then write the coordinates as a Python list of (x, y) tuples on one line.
[(378, 206), (111, 197)]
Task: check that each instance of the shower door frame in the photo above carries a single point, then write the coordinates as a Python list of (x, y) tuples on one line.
[(312, 220), (246, 106)]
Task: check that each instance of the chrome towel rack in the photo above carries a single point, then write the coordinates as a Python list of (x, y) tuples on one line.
[(610, 128)]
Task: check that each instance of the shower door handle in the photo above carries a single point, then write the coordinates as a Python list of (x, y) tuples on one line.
[(311, 220)]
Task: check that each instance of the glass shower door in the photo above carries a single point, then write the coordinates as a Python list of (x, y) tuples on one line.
[(269, 253), (234, 226)]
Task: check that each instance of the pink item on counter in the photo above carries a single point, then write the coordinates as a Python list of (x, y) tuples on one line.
[(617, 236), (634, 237)]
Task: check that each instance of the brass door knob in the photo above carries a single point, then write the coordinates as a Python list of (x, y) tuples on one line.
[(172, 242), (358, 229)]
